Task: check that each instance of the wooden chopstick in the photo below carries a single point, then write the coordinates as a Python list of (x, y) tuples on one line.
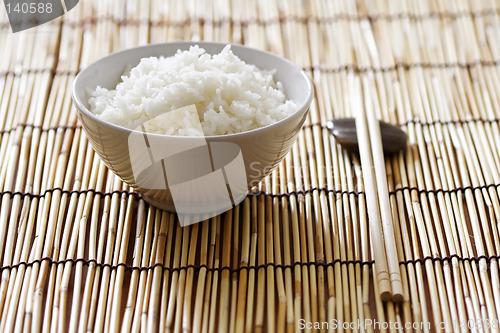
[(383, 193), (377, 239)]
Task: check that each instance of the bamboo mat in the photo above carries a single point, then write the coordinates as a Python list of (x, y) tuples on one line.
[(81, 251)]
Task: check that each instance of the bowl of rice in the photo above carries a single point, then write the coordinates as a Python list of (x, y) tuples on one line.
[(192, 125)]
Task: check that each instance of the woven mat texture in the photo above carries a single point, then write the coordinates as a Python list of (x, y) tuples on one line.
[(81, 251)]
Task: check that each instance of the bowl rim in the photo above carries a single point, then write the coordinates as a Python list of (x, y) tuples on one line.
[(306, 105)]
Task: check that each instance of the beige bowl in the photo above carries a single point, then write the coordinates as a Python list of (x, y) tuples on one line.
[(259, 150)]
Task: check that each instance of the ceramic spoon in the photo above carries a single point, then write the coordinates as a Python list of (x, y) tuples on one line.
[(344, 130)]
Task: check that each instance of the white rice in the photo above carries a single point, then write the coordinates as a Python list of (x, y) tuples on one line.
[(230, 95)]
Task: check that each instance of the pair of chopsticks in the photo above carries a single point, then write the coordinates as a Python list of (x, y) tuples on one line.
[(387, 273)]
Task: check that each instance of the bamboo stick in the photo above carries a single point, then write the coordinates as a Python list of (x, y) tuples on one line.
[(381, 268)]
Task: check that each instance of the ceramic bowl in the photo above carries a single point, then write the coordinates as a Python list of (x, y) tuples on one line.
[(169, 177)]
